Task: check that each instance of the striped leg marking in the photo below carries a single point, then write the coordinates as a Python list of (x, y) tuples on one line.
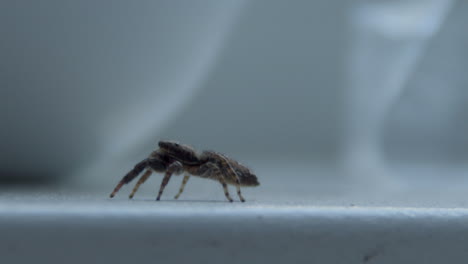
[(184, 181), (238, 190), (228, 171), (142, 180), (139, 167), (226, 191), (174, 167)]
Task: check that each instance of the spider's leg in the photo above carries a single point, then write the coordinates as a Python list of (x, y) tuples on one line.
[(175, 167), (184, 181), (223, 183), (226, 169), (238, 190), (139, 167), (211, 170), (157, 164), (142, 180)]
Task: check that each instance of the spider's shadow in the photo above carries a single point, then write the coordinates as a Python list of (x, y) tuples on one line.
[(182, 201)]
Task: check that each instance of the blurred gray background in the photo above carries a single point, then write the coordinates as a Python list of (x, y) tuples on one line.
[(351, 113), (88, 85)]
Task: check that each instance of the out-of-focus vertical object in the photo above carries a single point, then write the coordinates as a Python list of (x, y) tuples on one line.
[(388, 39), (428, 126)]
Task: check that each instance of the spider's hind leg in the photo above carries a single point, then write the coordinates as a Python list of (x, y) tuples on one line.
[(226, 169), (224, 184), (239, 190)]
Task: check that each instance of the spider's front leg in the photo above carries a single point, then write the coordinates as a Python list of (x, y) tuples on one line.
[(156, 163), (181, 189), (142, 180), (139, 167), (175, 167), (224, 184)]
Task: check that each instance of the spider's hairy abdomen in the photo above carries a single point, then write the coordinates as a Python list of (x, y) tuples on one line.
[(248, 179), (245, 175)]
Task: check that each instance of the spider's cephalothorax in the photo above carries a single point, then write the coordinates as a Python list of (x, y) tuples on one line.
[(174, 158)]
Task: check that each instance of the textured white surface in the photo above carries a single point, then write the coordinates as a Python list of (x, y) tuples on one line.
[(198, 232), (305, 220)]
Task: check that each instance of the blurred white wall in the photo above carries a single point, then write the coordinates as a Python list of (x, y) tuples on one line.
[(429, 121)]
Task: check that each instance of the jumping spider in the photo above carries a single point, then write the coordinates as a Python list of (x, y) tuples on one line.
[(175, 158)]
